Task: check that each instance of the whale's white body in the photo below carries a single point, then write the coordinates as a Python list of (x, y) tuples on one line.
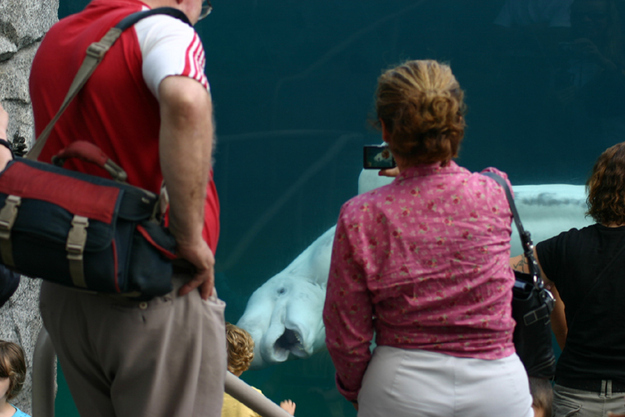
[(284, 314)]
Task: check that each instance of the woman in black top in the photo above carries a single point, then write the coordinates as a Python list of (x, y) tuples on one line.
[(586, 268)]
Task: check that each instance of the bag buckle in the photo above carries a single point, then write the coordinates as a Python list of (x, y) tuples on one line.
[(75, 247), (98, 49), (116, 171), (8, 215), (536, 315)]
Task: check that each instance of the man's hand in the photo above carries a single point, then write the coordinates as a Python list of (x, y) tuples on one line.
[(200, 255)]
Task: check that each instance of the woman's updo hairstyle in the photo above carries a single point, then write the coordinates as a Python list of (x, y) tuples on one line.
[(422, 108)]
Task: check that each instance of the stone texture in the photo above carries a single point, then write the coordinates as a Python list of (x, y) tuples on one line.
[(7, 49), (14, 75), (23, 24)]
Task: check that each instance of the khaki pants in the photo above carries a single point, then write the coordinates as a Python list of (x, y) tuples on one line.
[(578, 403), (166, 357)]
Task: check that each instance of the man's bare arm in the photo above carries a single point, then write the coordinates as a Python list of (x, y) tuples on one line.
[(186, 140)]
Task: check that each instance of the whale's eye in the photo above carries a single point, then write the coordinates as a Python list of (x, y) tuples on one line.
[(281, 291)]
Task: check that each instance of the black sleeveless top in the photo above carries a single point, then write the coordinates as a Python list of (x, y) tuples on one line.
[(595, 309)]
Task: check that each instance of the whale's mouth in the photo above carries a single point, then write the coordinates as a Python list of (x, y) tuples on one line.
[(290, 342)]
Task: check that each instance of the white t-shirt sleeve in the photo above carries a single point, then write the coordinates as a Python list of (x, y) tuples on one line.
[(170, 47)]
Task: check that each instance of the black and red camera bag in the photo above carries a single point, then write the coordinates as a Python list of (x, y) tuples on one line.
[(83, 231), (80, 230)]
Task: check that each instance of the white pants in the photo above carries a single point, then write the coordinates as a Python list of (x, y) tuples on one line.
[(415, 383)]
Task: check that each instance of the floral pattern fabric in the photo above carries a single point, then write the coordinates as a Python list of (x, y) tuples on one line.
[(424, 263)]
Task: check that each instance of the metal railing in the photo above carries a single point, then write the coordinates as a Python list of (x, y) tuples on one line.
[(44, 389)]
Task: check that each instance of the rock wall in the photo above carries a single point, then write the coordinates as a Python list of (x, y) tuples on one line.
[(23, 24)]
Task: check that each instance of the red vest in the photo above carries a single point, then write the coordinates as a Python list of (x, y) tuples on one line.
[(115, 110)]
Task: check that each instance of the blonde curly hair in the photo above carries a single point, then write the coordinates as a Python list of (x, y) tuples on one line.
[(422, 108), (240, 349)]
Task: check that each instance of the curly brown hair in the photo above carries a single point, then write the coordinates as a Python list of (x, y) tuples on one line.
[(606, 187), (240, 349), (422, 108), (12, 366)]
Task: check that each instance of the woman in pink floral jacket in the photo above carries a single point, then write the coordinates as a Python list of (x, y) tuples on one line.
[(423, 264)]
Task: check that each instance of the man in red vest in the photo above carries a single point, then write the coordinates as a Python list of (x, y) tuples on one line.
[(148, 107)]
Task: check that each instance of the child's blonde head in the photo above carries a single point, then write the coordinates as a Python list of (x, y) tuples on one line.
[(240, 349), (12, 366)]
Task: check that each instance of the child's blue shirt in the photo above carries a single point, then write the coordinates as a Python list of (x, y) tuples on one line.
[(19, 413)]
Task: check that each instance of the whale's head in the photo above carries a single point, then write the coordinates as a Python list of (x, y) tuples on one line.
[(282, 315)]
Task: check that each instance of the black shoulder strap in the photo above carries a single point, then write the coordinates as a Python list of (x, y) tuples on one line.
[(129, 21), (95, 54), (526, 238)]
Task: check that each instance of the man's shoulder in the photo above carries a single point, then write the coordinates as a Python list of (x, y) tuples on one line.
[(167, 22), (159, 28), (98, 15)]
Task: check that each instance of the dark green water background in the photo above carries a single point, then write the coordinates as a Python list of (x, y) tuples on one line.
[(292, 85)]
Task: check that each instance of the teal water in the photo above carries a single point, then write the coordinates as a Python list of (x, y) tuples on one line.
[(292, 85)]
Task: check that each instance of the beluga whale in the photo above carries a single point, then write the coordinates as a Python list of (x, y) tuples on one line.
[(284, 315)]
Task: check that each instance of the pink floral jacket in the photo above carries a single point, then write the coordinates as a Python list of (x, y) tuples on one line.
[(423, 263)]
